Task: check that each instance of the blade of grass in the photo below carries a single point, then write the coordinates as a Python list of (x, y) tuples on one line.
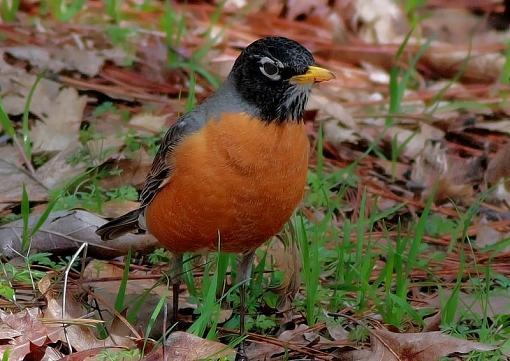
[(191, 100), (44, 216), (121, 294), (25, 216), (6, 123), (27, 143), (152, 321), (449, 309), (6, 354), (9, 11), (505, 72)]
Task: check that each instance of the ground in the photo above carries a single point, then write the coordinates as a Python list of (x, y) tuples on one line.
[(399, 251)]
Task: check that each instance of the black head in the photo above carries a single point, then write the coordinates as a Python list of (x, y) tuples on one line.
[(275, 75)]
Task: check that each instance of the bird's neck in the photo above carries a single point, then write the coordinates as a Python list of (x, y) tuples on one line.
[(290, 110)]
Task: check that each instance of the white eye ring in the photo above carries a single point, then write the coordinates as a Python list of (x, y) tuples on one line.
[(265, 60)]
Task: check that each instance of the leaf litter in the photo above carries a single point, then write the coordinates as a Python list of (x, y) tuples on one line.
[(100, 101)]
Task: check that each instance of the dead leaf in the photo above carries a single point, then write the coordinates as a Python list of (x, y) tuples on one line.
[(60, 127), (33, 332), (336, 331), (487, 235), (87, 62), (498, 174), (51, 354), (133, 170), (97, 270), (12, 178), (425, 346), (58, 169), (304, 7), (380, 21), (263, 351), (449, 177), (329, 108), (65, 231), (15, 85), (81, 337), (493, 304), (183, 346), (148, 123), (116, 208), (413, 142), (447, 62)]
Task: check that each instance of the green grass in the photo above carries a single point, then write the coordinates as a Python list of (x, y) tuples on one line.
[(345, 269), (65, 10), (505, 73), (9, 9)]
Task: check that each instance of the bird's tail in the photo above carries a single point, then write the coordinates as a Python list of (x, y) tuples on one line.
[(118, 226)]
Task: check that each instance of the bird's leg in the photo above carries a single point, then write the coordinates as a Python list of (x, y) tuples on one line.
[(242, 277), (176, 275)]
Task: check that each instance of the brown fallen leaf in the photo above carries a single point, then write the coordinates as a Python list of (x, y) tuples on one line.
[(51, 174), (65, 231), (52, 354), (413, 142), (80, 336), (87, 62), (447, 61), (58, 170), (12, 177), (96, 276), (60, 127), (183, 346), (449, 177), (379, 21), (498, 174), (487, 235), (15, 85), (133, 170), (116, 208), (32, 333), (494, 304), (147, 123), (265, 351), (426, 346)]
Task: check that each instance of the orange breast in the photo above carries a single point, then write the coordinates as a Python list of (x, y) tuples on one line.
[(234, 184)]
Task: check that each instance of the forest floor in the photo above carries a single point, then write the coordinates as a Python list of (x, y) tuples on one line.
[(399, 251)]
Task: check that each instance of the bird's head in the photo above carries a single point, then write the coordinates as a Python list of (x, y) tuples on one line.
[(275, 75)]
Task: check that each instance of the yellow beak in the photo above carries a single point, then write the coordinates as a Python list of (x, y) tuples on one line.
[(314, 74)]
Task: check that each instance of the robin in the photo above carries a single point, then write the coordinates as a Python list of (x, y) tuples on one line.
[(230, 173)]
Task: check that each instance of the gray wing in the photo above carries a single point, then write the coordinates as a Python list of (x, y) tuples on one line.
[(159, 174), (161, 170), (225, 100)]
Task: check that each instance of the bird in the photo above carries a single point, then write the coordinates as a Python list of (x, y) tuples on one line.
[(229, 174)]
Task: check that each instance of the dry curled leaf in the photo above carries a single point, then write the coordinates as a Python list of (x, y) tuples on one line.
[(15, 85), (380, 21), (87, 62), (12, 177), (65, 231), (60, 127), (32, 333), (435, 171), (183, 346), (148, 123), (425, 346)]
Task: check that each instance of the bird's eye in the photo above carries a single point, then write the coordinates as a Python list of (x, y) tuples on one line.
[(270, 69)]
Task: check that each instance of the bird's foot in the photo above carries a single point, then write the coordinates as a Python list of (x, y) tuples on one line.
[(241, 354)]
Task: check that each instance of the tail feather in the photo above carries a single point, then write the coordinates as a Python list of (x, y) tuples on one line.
[(119, 226)]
